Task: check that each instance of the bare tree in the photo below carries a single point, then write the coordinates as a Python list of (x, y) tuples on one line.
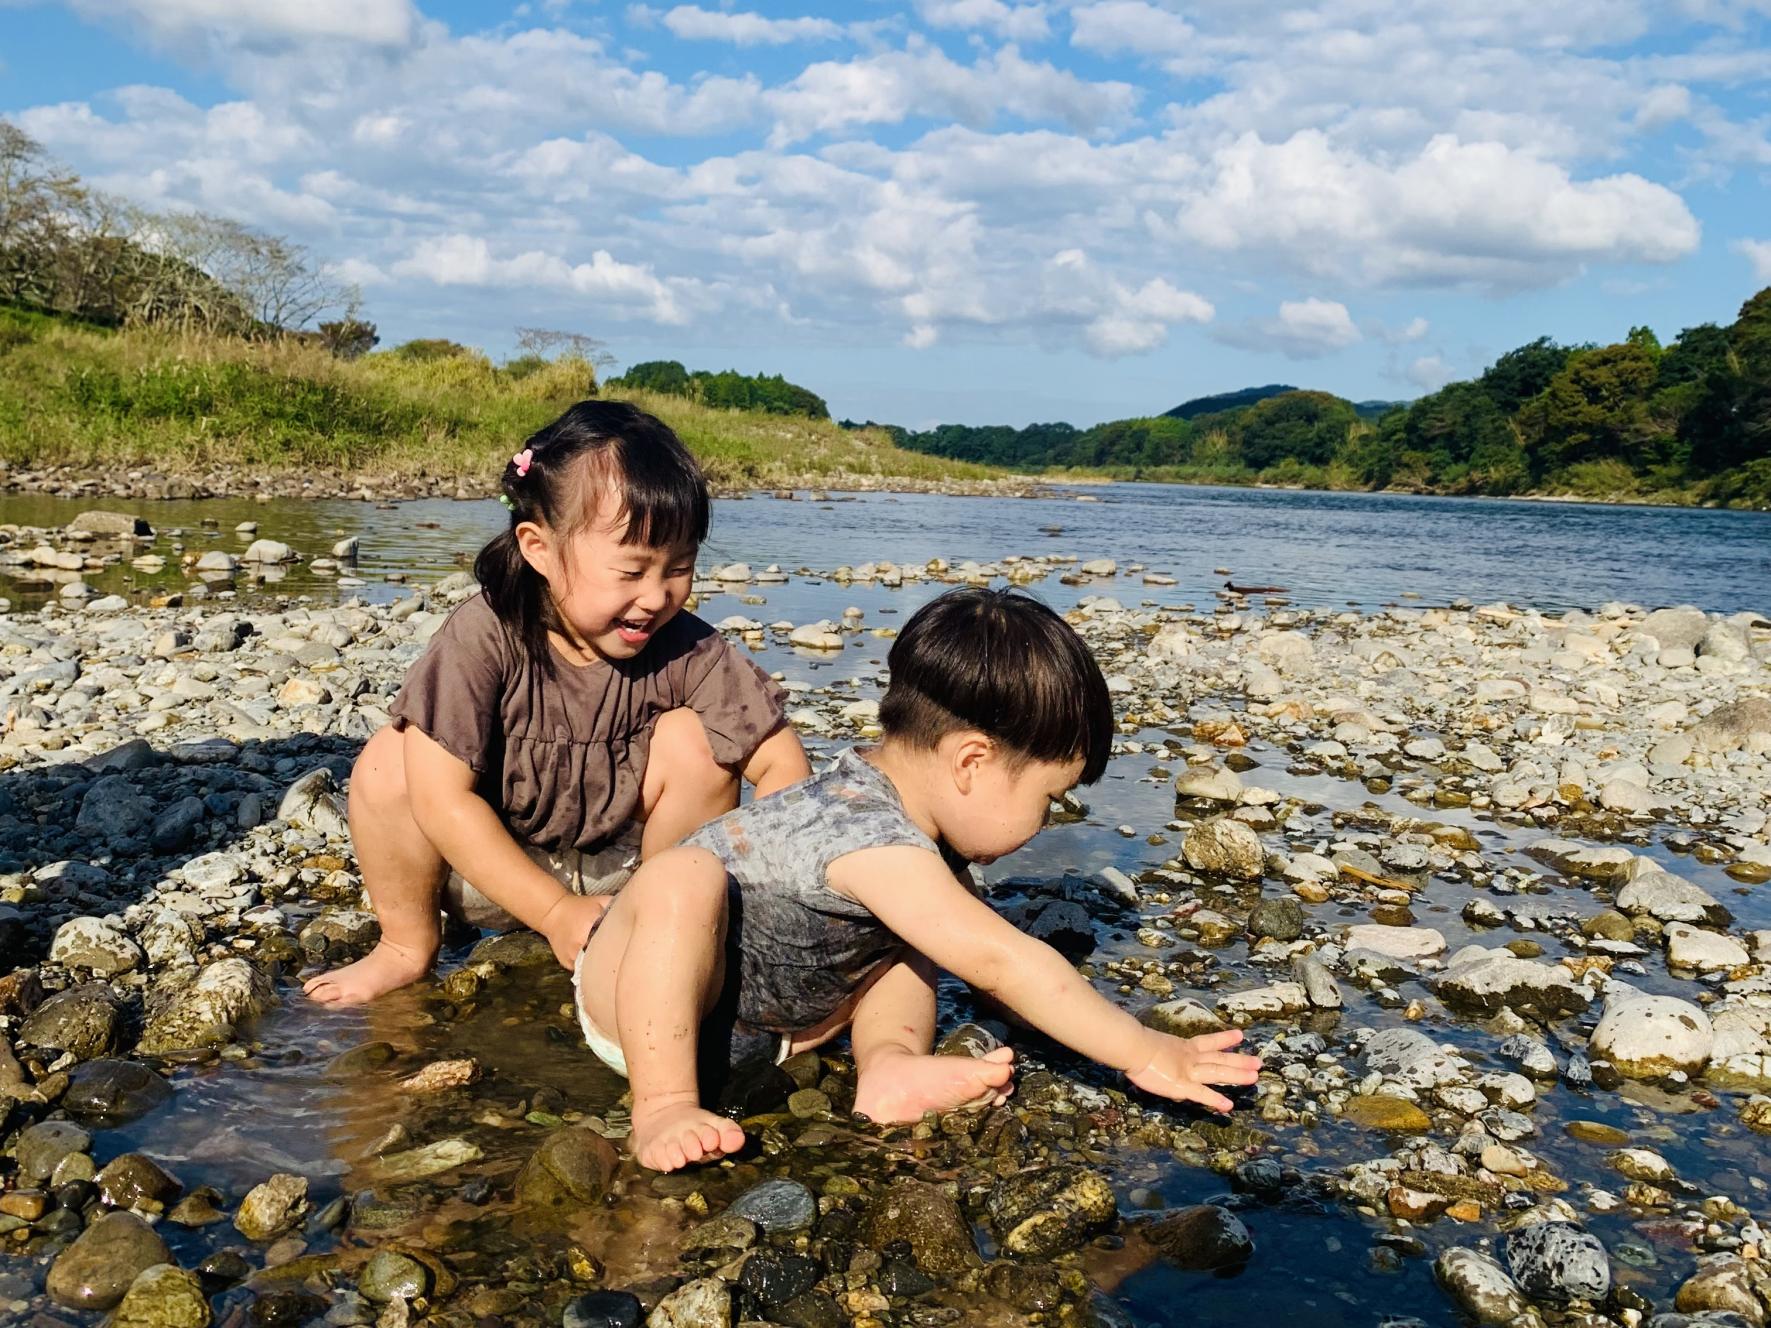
[(544, 341)]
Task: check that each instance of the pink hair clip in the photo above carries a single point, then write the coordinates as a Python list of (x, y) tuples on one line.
[(521, 461)]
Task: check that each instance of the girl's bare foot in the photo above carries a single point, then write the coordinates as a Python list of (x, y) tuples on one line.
[(674, 1135), (386, 968), (897, 1087)]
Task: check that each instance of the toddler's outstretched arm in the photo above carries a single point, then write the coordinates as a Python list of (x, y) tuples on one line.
[(913, 893)]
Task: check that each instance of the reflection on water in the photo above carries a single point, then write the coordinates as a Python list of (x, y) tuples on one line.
[(1327, 549)]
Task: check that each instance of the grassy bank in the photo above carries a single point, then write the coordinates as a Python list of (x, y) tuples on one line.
[(92, 398)]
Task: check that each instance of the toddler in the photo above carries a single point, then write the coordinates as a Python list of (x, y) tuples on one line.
[(568, 721), (834, 903)]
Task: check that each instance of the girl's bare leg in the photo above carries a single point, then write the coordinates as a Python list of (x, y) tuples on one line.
[(652, 971), (898, 1078), (684, 787), (403, 874)]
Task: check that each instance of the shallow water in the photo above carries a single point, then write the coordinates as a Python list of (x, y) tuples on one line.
[(1324, 548), (232, 1123)]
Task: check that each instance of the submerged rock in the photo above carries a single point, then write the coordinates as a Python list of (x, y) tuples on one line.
[(1050, 1210), (928, 1219), (703, 1303), (1480, 1286), (1204, 1236), (108, 1093), (270, 1209), (95, 1271), (777, 1206), (571, 1169), (163, 1296)]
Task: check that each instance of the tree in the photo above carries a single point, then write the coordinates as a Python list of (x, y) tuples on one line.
[(1305, 426), (1595, 409), (545, 341), (666, 376), (1521, 374)]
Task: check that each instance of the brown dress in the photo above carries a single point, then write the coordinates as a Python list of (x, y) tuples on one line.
[(562, 757)]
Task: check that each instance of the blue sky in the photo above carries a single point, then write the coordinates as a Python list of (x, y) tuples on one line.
[(978, 211)]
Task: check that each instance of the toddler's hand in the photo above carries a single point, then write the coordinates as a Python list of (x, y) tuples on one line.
[(1181, 1068), (568, 923)]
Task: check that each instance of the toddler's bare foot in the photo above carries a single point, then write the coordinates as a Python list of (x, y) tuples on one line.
[(897, 1087), (385, 968), (671, 1136)]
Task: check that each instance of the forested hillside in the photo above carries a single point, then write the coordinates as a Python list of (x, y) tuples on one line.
[(1688, 421)]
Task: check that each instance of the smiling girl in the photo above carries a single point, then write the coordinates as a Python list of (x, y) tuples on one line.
[(567, 722)]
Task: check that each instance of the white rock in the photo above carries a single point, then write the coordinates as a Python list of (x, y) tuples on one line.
[(1646, 1037), (95, 944), (1405, 943), (266, 551), (1705, 951)]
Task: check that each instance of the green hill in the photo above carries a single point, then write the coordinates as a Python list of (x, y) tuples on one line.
[(1222, 401)]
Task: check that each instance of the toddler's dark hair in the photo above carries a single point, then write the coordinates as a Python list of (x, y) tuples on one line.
[(1002, 663), (594, 446)]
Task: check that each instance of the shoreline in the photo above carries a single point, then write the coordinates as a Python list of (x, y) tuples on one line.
[(146, 483)]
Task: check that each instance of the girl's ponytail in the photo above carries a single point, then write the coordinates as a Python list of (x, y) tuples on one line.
[(516, 592)]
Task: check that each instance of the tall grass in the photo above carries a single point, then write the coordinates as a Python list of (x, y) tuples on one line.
[(76, 395)]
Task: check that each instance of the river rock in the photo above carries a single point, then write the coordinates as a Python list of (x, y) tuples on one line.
[(940, 1238), (1705, 951), (96, 945), (816, 636), (777, 1206), (703, 1303), (1646, 1037), (1488, 981), (1225, 848), (1728, 726), (570, 1170), (1382, 1111), (1408, 944), (104, 1260), (1669, 898), (163, 1296), (391, 1275), (312, 802), (1558, 1262), (1480, 1286), (84, 1021), (114, 524), (1411, 1057), (107, 1093), (1183, 1018), (40, 1148), (1209, 784), (113, 809), (1722, 1285), (267, 551), (1683, 626), (206, 1011), (1203, 1237), (1050, 1210), (607, 1309), (271, 1208), (1280, 919), (131, 1180)]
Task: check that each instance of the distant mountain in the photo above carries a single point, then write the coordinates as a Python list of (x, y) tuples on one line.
[(1192, 410), (1375, 410)]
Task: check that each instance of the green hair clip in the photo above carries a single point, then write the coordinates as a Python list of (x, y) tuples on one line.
[(508, 505)]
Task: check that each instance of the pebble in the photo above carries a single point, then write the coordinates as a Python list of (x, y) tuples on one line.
[(94, 1272)]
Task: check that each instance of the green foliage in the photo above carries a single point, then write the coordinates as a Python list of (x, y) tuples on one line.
[(1220, 402), (431, 348), (770, 394)]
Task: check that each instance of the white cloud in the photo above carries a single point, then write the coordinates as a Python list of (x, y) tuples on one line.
[(374, 22), (692, 23), (833, 97), (465, 260), (1116, 318), (1010, 22), (1302, 330), (1758, 253), (1116, 27), (1430, 373), (1471, 214), (358, 272)]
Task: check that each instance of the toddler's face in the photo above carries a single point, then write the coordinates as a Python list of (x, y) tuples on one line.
[(1007, 805), (619, 595)]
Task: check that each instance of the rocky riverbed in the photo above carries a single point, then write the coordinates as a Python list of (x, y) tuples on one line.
[(1485, 888)]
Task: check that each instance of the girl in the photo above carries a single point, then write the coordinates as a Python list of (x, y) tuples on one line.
[(833, 904), (567, 721)]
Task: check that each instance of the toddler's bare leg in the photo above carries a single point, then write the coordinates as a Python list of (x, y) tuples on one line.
[(898, 1078), (684, 787), (402, 872), (653, 970)]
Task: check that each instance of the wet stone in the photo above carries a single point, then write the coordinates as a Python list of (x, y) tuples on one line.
[(1558, 1262), (571, 1169), (107, 1093), (774, 1277), (272, 1208), (95, 1271), (1029, 1288), (1051, 1210), (1204, 1236), (1480, 1286), (703, 1303), (928, 1219), (41, 1147), (777, 1206), (1279, 919), (134, 1181), (84, 1021), (389, 1274), (604, 1309), (164, 1296)]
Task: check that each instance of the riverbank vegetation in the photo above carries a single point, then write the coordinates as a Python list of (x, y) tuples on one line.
[(1685, 422)]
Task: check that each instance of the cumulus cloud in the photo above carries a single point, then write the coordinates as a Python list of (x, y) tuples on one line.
[(1430, 373), (1471, 214), (1116, 318), (1009, 21), (375, 22), (692, 23), (1302, 330), (467, 260), (1116, 27), (1758, 253)]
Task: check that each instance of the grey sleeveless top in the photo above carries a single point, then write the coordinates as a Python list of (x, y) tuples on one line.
[(800, 949)]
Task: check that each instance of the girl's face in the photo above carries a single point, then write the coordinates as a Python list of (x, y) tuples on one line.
[(997, 806), (616, 596)]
